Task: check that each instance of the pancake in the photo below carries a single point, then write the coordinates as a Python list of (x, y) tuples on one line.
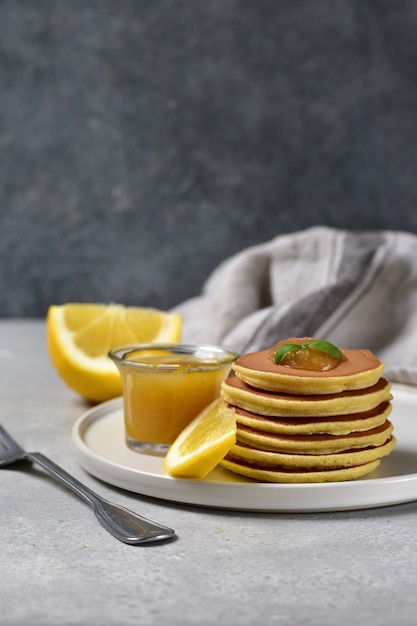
[(238, 393), (297, 425), (340, 425), (314, 444), (287, 476), (336, 460), (359, 370)]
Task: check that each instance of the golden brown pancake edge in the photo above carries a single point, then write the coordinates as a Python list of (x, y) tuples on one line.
[(315, 444), (238, 393), (336, 460), (331, 424), (262, 474)]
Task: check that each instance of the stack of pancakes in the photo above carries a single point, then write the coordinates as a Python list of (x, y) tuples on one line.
[(298, 425)]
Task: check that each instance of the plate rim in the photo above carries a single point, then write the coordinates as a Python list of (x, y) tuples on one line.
[(244, 495)]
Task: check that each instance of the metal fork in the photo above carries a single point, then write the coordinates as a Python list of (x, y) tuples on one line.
[(125, 525)]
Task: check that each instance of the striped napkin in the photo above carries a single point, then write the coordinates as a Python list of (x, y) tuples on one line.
[(355, 289)]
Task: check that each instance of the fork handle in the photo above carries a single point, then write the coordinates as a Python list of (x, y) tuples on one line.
[(125, 525)]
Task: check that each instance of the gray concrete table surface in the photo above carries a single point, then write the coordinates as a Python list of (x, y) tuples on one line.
[(59, 566)]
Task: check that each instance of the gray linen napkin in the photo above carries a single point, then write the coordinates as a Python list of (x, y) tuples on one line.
[(355, 289)]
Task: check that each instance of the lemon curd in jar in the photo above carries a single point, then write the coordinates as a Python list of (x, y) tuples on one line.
[(165, 387)]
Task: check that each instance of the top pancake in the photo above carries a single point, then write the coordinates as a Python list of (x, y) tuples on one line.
[(360, 370)]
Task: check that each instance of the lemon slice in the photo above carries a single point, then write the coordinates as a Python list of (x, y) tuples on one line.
[(79, 337), (203, 443)]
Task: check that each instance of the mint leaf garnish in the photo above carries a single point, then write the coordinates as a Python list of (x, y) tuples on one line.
[(327, 347), (285, 349)]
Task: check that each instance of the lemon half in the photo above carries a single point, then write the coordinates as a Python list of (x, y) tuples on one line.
[(79, 337)]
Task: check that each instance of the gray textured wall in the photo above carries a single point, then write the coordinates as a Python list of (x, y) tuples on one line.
[(144, 141)]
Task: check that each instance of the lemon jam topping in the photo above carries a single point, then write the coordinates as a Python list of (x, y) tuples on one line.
[(316, 355)]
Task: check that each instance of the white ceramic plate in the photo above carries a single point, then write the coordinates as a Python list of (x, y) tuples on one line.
[(99, 439)]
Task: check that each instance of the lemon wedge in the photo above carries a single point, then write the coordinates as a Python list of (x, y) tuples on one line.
[(79, 337), (203, 443)]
